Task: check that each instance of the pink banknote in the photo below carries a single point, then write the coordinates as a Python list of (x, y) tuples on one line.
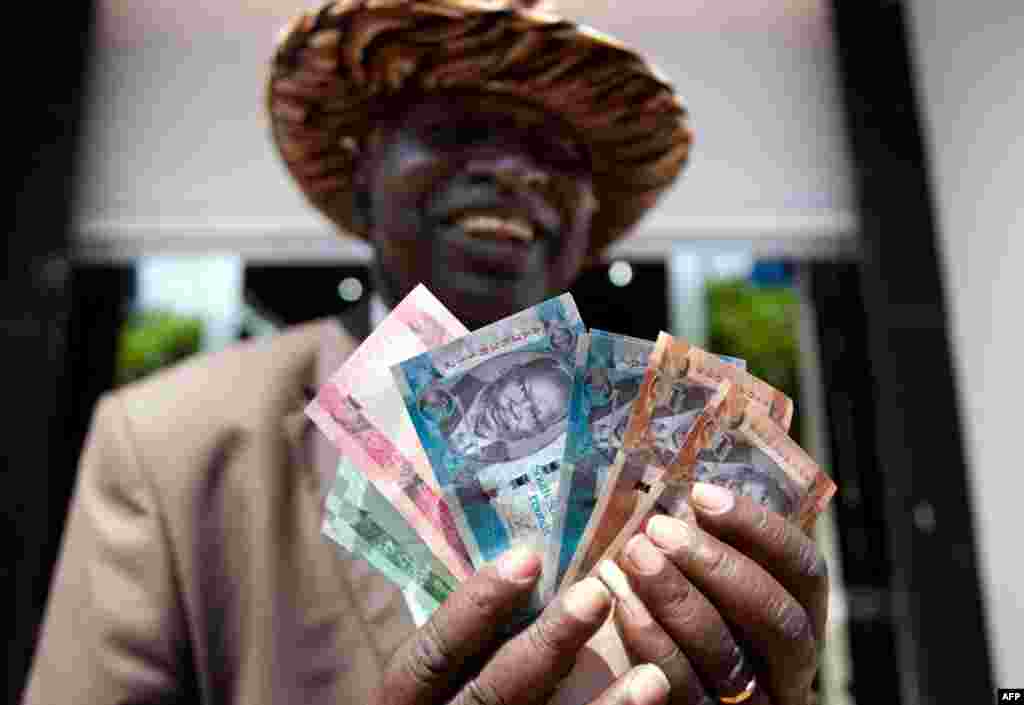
[(364, 416)]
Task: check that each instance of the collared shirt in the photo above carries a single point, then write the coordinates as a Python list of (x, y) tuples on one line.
[(378, 310)]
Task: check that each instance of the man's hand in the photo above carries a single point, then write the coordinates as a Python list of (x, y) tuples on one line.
[(743, 595), (459, 656)]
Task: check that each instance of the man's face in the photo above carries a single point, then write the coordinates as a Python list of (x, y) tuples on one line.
[(484, 200), (525, 402)]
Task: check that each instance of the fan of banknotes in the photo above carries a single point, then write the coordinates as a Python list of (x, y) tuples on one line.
[(457, 446)]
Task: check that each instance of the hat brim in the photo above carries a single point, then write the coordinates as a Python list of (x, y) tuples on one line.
[(333, 65)]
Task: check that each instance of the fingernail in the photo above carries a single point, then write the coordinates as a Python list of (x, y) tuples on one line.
[(648, 685), (669, 533), (712, 499), (587, 600), (644, 556), (519, 565), (616, 581)]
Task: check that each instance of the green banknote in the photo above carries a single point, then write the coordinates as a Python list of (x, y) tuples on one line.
[(361, 519)]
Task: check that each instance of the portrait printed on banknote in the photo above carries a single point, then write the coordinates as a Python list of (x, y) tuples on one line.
[(672, 420), (755, 457), (746, 470), (491, 411), (504, 409), (345, 411), (504, 423)]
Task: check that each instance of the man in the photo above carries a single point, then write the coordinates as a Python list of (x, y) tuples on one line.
[(488, 151)]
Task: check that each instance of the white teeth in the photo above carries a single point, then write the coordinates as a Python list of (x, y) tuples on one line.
[(497, 228)]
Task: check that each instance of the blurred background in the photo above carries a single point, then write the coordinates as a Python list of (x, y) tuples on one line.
[(845, 225)]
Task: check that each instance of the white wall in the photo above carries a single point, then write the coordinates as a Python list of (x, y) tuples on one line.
[(970, 57), (177, 148)]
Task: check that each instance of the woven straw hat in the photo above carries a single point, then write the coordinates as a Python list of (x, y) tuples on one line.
[(333, 65)]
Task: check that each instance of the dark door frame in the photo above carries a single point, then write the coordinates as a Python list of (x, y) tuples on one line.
[(922, 494), (34, 310)]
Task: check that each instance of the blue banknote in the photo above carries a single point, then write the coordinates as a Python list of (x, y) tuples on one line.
[(491, 410), (607, 377)]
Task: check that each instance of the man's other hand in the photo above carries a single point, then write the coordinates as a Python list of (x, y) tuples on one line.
[(460, 657), (731, 609)]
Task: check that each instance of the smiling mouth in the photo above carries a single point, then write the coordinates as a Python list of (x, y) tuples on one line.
[(490, 223), (494, 227)]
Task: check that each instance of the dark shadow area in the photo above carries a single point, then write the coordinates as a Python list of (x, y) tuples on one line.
[(34, 310), (921, 492), (293, 294), (849, 397)]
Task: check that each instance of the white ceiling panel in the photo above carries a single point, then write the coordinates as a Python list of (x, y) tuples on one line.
[(177, 156)]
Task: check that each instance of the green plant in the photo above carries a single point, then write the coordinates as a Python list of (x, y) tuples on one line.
[(758, 324), (153, 339)]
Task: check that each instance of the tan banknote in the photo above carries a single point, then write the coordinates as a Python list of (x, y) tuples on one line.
[(363, 414), (646, 466), (671, 495), (668, 424), (677, 361), (737, 445), (761, 462)]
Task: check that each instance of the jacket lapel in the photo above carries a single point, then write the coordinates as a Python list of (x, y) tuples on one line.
[(310, 450)]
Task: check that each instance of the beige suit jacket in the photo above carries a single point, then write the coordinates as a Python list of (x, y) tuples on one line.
[(193, 569)]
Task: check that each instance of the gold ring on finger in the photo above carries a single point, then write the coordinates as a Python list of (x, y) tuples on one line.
[(741, 696)]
